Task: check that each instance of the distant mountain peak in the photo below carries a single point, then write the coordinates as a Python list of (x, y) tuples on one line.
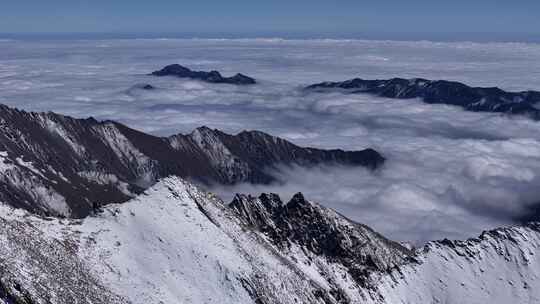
[(212, 76), (477, 99)]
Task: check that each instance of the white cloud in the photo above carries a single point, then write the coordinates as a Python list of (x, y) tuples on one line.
[(450, 173)]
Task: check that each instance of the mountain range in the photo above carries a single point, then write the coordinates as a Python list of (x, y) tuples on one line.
[(52, 164), (475, 99)]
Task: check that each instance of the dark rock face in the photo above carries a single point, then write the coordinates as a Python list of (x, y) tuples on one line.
[(57, 165), (321, 231), (260, 148), (212, 77), (442, 92)]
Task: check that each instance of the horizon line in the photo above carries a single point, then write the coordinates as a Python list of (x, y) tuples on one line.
[(517, 37)]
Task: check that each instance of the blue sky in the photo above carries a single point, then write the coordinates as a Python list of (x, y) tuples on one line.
[(275, 16)]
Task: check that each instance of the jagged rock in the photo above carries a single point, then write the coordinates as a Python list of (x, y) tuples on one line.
[(323, 232), (442, 92), (212, 77), (52, 164)]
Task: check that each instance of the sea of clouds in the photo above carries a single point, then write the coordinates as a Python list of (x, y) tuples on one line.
[(449, 173)]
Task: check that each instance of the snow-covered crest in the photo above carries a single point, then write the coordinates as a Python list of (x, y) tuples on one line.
[(501, 266), (178, 244)]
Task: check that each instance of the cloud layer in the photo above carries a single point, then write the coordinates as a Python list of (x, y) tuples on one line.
[(450, 173)]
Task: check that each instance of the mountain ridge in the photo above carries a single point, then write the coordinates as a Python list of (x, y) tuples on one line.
[(57, 165), (476, 99), (187, 233), (179, 71)]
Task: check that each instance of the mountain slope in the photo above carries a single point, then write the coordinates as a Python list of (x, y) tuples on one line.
[(501, 266), (177, 244), (57, 165), (174, 244), (442, 92)]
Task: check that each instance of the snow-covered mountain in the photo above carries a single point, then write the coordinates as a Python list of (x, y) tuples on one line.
[(442, 92), (178, 244), (52, 164), (500, 266)]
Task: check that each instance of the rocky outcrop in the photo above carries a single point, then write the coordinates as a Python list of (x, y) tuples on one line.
[(442, 92), (322, 232), (57, 165), (179, 71)]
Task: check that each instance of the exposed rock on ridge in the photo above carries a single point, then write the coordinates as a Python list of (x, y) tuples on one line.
[(321, 231), (442, 92)]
